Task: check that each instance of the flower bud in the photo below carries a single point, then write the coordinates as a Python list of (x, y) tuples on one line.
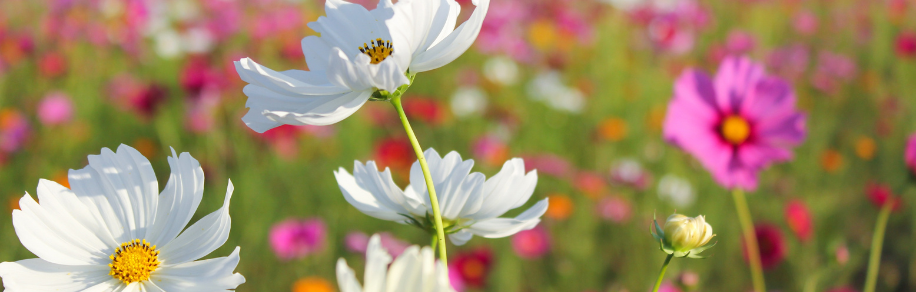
[(684, 236), (685, 233)]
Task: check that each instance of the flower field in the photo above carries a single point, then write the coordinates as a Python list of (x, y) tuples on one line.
[(559, 130)]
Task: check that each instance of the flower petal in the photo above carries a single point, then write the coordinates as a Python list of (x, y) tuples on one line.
[(455, 44), (348, 25), (179, 200), (461, 237), (317, 53), (360, 74), (508, 189), (269, 109), (208, 275), (454, 183), (735, 80), (202, 238), (37, 275), (502, 227), (372, 192), (417, 25), (127, 179), (55, 238), (346, 278), (377, 260), (291, 82)]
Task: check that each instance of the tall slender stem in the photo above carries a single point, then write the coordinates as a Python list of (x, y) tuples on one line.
[(661, 274), (877, 241), (750, 239), (434, 201), (434, 242)]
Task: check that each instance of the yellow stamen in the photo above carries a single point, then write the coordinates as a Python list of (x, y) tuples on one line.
[(377, 51), (134, 261), (735, 129)]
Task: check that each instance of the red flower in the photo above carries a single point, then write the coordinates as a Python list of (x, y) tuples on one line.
[(880, 193), (474, 266), (771, 245), (52, 65), (395, 153), (799, 219), (427, 110), (906, 44)]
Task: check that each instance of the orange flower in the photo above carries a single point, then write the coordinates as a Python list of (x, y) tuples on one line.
[(312, 284), (613, 129), (561, 206), (831, 160), (145, 146), (543, 35), (865, 147)]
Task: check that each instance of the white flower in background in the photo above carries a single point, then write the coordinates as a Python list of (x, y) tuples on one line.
[(501, 70), (114, 231), (549, 88), (468, 100), (630, 5), (358, 53), (676, 190), (415, 270), (469, 202)]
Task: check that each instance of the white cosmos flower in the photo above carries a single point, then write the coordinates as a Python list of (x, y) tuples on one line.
[(114, 231), (470, 203), (415, 270), (359, 52)]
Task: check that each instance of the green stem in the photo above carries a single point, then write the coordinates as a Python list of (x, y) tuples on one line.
[(661, 274), (877, 241), (750, 238), (434, 201), (433, 244)]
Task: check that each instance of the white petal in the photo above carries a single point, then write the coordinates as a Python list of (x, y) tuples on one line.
[(179, 200), (346, 278), (421, 24), (65, 207), (455, 44), (502, 227), (461, 237), (455, 187), (208, 275), (127, 179), (361, 74), (348, 25), (269, 109), (85, 184), (377, 260), (316, 52), (37, 275), (55, 238), (508, 189), (405, 274), (202, 238), (372, 192), (291, 82)]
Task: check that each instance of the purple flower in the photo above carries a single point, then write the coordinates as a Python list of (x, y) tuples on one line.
[(297, 238), (735, 124), (56, 108)]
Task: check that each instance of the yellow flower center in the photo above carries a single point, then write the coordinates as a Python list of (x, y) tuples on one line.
[(378, 50), (735, 129), (134, 261)]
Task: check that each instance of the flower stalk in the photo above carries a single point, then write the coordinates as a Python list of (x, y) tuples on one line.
[(433, 200), (750, 238), (877, 242), (661, 274)]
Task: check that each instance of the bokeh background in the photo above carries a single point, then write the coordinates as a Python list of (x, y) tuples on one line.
[(578, 88)]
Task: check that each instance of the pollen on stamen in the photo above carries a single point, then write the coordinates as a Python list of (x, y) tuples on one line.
[(377, 51), (134, 261)]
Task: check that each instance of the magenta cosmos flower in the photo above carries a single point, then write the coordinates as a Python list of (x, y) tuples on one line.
[(910, 156), (297, 238), (735, 124)]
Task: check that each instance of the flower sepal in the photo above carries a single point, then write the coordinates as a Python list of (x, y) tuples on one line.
[(384, 95)]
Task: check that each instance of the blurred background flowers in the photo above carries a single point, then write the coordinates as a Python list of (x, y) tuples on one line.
[(578, 88)]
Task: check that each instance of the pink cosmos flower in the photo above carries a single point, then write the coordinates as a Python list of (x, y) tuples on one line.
[(454, 278), (297, 238), (668, 287), (832, 71), (799, 219), (740, 42), (549, 164), (910, 155), (879, 194), (532, 243), (736, 124), (357, 242), (615, 209), (771, 244), (491, 150), (56, 108), (805, 22), (790, 61)]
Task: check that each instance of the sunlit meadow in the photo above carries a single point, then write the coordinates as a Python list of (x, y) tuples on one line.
[(579, 89)]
